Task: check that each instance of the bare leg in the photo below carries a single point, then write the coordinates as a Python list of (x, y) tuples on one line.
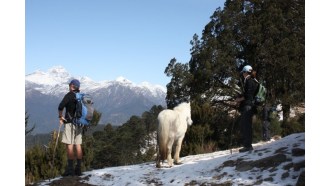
[(79, 157), (79, 151), (69, 151), (70, 154)]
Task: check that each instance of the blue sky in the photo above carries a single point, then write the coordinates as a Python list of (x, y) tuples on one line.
[(105, 39)]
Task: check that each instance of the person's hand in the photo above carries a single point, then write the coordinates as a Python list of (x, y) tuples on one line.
[(62, 119), (239, 99)]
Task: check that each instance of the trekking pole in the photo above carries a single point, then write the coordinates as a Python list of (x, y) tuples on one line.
[(231, 132), (58, 135)]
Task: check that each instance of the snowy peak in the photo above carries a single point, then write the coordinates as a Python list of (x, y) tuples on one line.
[(123, 80), (154, 88), (144, 85), (55, 75), (58, 71), (59, 77)]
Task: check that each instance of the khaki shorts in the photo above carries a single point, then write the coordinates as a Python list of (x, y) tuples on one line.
[(72, 134)]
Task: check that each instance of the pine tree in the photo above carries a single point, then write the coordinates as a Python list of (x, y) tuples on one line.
[(27, 131), (177, 89), (268, 35)]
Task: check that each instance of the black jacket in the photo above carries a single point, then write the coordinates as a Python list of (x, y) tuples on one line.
[(69, 103), (250, 90)]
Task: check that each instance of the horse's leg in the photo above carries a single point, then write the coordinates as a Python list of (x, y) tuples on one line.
[(177, 151), (158, 158), (169, 152)]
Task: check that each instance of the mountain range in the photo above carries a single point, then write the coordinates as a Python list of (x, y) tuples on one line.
[(117, 100)]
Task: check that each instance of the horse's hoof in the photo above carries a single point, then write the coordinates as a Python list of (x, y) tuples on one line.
[(177, 163)]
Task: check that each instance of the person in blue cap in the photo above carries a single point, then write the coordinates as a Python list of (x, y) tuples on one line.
[(72, 134)]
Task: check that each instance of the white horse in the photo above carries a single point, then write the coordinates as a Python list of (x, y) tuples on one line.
[(172, 126)]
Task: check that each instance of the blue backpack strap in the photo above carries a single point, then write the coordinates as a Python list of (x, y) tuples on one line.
[(79, 95)]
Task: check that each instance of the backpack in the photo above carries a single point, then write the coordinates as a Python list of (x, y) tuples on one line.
[(272, 115), (84, 110), (260, 95)]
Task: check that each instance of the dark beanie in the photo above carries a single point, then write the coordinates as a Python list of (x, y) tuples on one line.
[(75, 82)]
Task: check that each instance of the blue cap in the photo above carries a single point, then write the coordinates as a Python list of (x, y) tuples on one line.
[(75, 82)]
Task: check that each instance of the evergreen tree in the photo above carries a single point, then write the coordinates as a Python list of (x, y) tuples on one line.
[(177, 89), (44, 162), (150, 120), (277, 51), (128, 144), (88, 142), (103, 148), (268, 35), (27, 131)]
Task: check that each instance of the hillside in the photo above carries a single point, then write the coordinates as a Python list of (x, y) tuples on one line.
[(277, 162)]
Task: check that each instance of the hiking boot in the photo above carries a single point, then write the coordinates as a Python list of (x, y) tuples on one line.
[(266, 139), (78, 168), (77, 171), (69, 169), (245, 149), (68, 172)]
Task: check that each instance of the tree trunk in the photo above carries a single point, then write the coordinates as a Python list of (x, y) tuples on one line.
[(286, 112)]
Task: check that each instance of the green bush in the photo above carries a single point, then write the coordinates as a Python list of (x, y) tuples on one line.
[(41, 162), (294, 125), (275, 127)]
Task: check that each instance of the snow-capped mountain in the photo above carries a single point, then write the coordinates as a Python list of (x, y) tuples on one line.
[(117, 100)]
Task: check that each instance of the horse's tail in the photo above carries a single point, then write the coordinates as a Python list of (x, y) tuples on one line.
[(162, 132)]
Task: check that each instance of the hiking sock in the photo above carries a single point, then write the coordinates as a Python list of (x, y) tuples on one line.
[(69, 169), (78, 168)]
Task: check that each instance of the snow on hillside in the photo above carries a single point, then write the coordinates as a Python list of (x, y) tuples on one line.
[(277, 162)]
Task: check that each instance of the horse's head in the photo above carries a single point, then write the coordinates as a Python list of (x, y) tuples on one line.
[(184, 110), (189, 121)]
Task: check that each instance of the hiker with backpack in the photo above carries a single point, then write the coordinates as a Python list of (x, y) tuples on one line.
[(247, 106), (72, 134)]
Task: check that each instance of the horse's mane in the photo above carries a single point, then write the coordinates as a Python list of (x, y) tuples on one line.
[(182, 107)]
